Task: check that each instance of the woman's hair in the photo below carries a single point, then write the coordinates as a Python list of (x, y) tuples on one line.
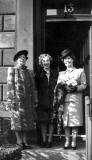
[(42, 56)]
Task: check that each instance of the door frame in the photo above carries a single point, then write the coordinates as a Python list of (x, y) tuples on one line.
[(88, 104)]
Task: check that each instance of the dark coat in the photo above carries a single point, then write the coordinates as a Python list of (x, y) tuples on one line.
[(45, 93)]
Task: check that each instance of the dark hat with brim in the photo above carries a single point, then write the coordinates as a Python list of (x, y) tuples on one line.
[(65, 53), (19, 53)]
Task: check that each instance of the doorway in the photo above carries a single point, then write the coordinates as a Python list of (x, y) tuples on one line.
[(73, 35), (57, 32), (63, 35)]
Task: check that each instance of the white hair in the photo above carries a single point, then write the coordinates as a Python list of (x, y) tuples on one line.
[(42, 56)]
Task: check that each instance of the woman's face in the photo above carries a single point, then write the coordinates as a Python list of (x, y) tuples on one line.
[(68, 61), (21, 61), (46, 63)]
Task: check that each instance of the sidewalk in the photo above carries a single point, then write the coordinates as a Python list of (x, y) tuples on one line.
[(57, 152)]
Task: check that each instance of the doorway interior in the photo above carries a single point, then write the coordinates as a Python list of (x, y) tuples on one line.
[(63, 35)]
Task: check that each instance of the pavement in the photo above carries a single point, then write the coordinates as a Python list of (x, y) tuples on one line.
[(57, 152)]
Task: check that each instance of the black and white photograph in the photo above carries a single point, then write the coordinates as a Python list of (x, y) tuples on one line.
[(45, 79)]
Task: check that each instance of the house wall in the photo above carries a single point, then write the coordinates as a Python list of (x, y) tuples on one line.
[(7, 50), (16, 33), (25, 28), (7, 41)]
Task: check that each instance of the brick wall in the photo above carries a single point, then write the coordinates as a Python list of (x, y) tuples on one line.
[(7, 41), (7, 49), (15, 34)]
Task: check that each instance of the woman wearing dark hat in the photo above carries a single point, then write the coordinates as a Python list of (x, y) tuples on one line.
[(45, 80), (21, 97), (74, 81)]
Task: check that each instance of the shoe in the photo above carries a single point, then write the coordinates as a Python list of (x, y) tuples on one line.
[(74, 148), (49, 145), (20, 145), (26, 146), (73, 145), (43, 144), (66, 146)]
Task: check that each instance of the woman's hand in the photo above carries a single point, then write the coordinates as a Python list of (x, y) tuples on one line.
[(70, 88)]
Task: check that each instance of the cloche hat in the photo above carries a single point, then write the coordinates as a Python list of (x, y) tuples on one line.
[(19, 53)]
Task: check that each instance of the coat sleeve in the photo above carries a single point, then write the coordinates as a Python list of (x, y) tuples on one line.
[(10, 89), (60, 77), (10, 84), (82, 85)]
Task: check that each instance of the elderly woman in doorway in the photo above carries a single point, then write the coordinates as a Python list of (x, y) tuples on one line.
[(46, 80), (21, 97), (74, 81)]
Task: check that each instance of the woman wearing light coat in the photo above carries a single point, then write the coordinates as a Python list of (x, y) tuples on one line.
[(74, 81), (21, 97)]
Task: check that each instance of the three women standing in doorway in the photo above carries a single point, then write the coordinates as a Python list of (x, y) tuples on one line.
[(20, 95), (74, 82)]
